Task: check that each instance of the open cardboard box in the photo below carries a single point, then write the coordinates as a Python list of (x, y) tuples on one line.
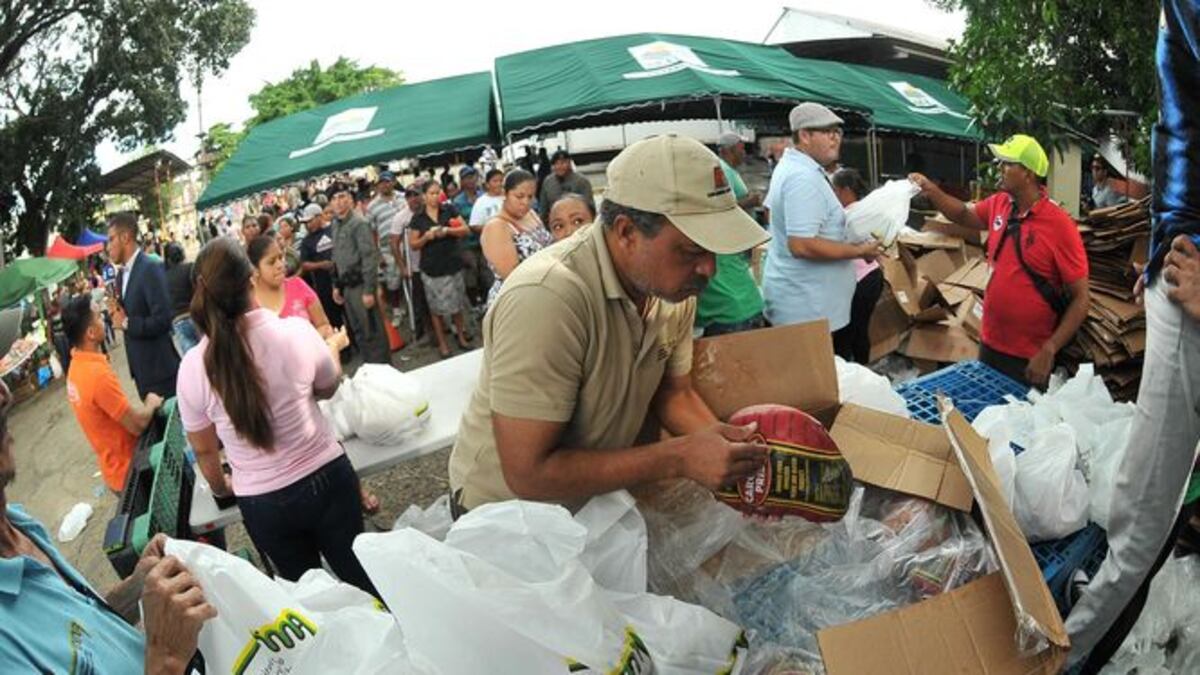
[(972, 629)]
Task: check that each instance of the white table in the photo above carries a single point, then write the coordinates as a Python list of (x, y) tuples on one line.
[(448, 384)]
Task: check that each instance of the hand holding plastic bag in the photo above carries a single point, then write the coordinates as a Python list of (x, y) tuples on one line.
[(268, 626), (882, 213)]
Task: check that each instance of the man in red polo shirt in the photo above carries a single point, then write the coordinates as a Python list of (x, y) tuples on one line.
[(1038, 293)]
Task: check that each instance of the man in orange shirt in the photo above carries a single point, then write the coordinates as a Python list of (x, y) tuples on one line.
[(111, 423)]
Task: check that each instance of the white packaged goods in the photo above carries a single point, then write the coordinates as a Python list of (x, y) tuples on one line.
[(380, 405), (520, 583), (860, 385), (882, 213), (268, 626), (1051, 493)]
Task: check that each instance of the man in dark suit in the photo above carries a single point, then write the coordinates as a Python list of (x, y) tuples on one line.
[(142, 308)]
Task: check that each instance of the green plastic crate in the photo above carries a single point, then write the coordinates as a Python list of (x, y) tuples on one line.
[(169, 461)]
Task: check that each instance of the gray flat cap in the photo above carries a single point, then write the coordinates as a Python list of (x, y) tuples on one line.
[(811, 115)]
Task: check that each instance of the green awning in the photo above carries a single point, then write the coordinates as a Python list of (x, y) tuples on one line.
[(899, 102), (410, 120), (611, 80), (657, 76), (22, 277)]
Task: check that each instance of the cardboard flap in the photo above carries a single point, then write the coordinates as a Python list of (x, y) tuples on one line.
[(973, 275), (788, 365), (944, 344), (902, 455), (1030, 597), (936, 266), (929, 240), (966, 631)]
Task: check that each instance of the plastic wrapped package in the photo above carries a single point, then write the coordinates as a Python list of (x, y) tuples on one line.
[(1051, 493), (783, 581), (388, 405)]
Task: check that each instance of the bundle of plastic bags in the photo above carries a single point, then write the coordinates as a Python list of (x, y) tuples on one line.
[(1098, 432), (784, 581), (266, 626), (860, 385), (523, 587), (881, 214), (1166, 639), (380, 405)]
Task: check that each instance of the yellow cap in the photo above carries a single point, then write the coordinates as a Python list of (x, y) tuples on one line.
[(681, 179), (1023, 150)]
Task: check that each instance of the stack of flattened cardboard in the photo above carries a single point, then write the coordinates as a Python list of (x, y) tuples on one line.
[(971, 629), (1114, 334), (930, 309)]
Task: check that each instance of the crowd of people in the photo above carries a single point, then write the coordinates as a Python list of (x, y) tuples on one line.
[(588, 320)]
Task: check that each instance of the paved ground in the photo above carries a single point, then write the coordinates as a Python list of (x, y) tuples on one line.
[(56, 469)]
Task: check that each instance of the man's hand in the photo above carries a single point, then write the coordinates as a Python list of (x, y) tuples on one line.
[(368, 300), (1182, 270), (175, 610), (153, 401), (722, 455), (869, 250), (119, 319), (922, 182), (337, 296), (337, 340), (1139, 286), (1038, 370)]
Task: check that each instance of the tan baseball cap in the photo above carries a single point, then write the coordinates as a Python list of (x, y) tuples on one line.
[(681, 179)]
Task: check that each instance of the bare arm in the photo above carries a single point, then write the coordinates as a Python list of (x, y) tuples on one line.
[(394, 243), (317, 317), (137, 418), (498, 247), (1038, 370), (818, 248), (680, 408), (207, 447), (535, 468), (955, 210)]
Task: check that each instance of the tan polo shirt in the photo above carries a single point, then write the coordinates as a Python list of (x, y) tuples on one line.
[(564, 343)]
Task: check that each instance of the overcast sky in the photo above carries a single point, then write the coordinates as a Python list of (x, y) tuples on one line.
[(428, 40)]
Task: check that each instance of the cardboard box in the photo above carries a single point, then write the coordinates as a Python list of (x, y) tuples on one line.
[(972, 629), (930, 240), (889, 325), (941, 225), (937, 265), (944, 344), (973, 275)]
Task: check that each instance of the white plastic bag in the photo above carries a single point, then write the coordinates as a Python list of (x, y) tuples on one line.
[(434, 521), (336, 408), (860, 385), (265, 626), (510, 580), (1107, 454), (1051, 493), (882, 213), (386, 404), (74, 522)]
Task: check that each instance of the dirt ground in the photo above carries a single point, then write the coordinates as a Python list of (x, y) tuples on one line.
[(57, 469)]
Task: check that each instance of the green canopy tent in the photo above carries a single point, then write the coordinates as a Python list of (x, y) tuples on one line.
[(410, 120), (642, 77), (29, 275)]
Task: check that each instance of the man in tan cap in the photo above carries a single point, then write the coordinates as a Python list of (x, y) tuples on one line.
[(1037, 296), (590, 335)]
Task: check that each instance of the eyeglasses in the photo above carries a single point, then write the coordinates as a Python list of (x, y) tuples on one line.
[(833, 131)]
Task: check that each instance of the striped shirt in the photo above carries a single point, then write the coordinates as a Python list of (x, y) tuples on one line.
[(1176, 141), (380, 213)]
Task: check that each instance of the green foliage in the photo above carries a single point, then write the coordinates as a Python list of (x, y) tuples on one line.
[(310, 87), (76, 74), (1044, 67), (220, 142)]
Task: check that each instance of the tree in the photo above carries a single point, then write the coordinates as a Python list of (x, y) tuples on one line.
[(220, 142), (1048, 66), (310, 87), (94, 71)]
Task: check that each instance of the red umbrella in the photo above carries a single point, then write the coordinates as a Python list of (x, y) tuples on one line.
[(61, 249)]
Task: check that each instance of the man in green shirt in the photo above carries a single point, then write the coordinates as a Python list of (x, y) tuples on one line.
[(732, 301)]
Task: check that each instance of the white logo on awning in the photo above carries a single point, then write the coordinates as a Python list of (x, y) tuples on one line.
[(921, 102), (348, 125), (663, 58)]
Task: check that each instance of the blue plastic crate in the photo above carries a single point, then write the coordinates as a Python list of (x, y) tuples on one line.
[(970, 384)]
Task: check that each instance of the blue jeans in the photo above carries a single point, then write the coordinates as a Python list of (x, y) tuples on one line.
[(184, 334), (318, 515)]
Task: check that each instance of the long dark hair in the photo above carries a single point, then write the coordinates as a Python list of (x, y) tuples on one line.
[(222, 296)]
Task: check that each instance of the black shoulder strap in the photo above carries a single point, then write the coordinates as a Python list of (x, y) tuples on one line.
[(1058, 299)]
